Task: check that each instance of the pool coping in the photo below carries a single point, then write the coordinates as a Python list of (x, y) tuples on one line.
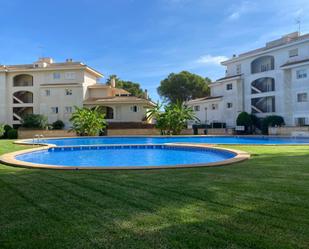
[(24, 141), (10, 159)]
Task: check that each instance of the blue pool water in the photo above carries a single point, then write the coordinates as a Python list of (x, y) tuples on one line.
[(180, 139), (125, 156)]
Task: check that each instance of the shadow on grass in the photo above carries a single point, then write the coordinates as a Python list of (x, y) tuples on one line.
[(260, 203)]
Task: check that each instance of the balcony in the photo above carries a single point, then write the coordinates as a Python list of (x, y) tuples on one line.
[(23, 97), (263, 85), (263, 64), (20, 112), (263, 105), (23, 80)]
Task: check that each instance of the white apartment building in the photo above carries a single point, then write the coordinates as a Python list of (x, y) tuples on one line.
[(54, 89), (272, 80)]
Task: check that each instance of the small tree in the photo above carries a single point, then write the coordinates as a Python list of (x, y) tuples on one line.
[(245, 119), (87, 121), (35, 121), (271, 121)]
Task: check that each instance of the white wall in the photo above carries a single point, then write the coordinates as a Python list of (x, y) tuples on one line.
[(3, 99)]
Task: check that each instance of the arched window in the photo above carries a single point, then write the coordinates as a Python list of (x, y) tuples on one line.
[(262, 85), (23, 80), (263, 64), (23, 97)]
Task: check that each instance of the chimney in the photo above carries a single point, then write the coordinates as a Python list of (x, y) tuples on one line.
[(47, 60), (146, 94), (113, 82)]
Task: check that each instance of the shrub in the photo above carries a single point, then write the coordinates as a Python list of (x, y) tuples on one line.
[(35, 121), (245, 119), (58, 125), (6, 130), (88, 122), (271, 121), (12, 134), (2, 130)]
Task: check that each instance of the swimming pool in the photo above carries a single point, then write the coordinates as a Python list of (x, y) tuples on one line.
[(172, 139), (126, 157)]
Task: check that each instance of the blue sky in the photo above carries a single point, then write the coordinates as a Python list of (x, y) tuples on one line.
[(144, 40)]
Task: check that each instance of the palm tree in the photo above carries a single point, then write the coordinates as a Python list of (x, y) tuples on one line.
[(174, 118), (88, 121), (179, 114)]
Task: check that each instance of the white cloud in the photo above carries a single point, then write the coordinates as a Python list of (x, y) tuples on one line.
[(213, 60), (244, 8)]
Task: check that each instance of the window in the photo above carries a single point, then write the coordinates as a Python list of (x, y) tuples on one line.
[(134, 108), (68, 91), (56, 76), (300, 121), (302, 97), (229, 105), (54, 110), (229, 86), (47, 92), (197, 108), (214, 106), (70, 75), (68, 109), (238, 69), (301, 74), (293, 52)]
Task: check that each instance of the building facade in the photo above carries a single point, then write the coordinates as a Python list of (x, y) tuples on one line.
[(54, 89), (272, 80)]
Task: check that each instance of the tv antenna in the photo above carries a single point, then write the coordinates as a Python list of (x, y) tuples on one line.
[(298, 22)]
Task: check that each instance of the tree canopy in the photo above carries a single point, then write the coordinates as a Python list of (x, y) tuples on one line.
[(132, 87), (183, 86)]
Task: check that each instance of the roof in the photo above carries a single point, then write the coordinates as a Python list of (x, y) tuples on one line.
[(284, 40), (229, 77), (295, 62), (192, 101), (61, 84), (114, 90), (118, 100), (51, 66)]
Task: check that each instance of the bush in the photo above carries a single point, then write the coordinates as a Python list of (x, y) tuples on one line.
[(6, 130), (12, 134), (58, 125), (35, 121), (271, 121), (245, 119)]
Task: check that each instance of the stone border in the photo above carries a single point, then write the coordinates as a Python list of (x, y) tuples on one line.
[(24, 141), (10, 159)]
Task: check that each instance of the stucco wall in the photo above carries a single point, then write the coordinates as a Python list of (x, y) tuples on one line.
[(25, 133), (288, 131), (3, 99)]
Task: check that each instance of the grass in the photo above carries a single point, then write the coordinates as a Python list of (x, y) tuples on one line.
[(260, 203)]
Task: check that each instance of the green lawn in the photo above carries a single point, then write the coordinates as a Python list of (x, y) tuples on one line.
[(260, 203)]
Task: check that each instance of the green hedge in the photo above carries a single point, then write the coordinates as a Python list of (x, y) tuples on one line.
[(271, 121), (12, 134)]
